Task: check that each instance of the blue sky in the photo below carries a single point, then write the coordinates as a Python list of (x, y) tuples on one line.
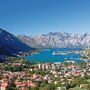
[(31, 17)]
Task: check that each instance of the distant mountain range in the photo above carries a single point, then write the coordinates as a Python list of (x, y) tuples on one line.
[(57, 40), (10, 44)]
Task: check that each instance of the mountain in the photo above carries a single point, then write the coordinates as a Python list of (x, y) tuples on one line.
[(10, 44), (57, 40), (29, 41)]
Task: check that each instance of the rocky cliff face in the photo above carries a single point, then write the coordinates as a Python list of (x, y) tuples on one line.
[(57, 39)]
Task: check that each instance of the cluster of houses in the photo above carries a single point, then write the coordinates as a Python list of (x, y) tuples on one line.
[(63, 72), (55, 70), (20, 84)]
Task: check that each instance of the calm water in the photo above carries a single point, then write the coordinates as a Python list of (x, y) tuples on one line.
[(46, 55)]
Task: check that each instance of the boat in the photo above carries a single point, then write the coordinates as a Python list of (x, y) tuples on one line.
[(59, 53)]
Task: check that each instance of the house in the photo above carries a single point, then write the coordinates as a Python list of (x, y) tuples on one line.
[(83, 86), (3, 85)]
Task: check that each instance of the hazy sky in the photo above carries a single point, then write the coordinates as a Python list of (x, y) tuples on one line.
[(31, 17)]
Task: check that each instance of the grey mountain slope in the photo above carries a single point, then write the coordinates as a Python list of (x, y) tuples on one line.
[(57, 39)]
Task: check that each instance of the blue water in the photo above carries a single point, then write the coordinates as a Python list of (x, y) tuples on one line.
[(46, 55)]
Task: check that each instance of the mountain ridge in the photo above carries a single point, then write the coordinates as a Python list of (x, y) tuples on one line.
[(57, 40), (10, 44)]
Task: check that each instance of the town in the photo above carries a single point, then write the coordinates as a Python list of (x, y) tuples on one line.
[(20, 74)]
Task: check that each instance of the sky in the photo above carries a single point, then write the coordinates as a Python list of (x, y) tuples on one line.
[(32, 17)]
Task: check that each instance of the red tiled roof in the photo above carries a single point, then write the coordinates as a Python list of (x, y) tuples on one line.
[(4, 84)]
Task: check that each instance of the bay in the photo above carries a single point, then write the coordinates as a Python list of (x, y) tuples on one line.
[(46, 55)]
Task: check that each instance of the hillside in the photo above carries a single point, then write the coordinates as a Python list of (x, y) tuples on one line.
[(57, 40), (10, 44)]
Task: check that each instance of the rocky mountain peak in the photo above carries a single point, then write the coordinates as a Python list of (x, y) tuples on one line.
[(59, 39)]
